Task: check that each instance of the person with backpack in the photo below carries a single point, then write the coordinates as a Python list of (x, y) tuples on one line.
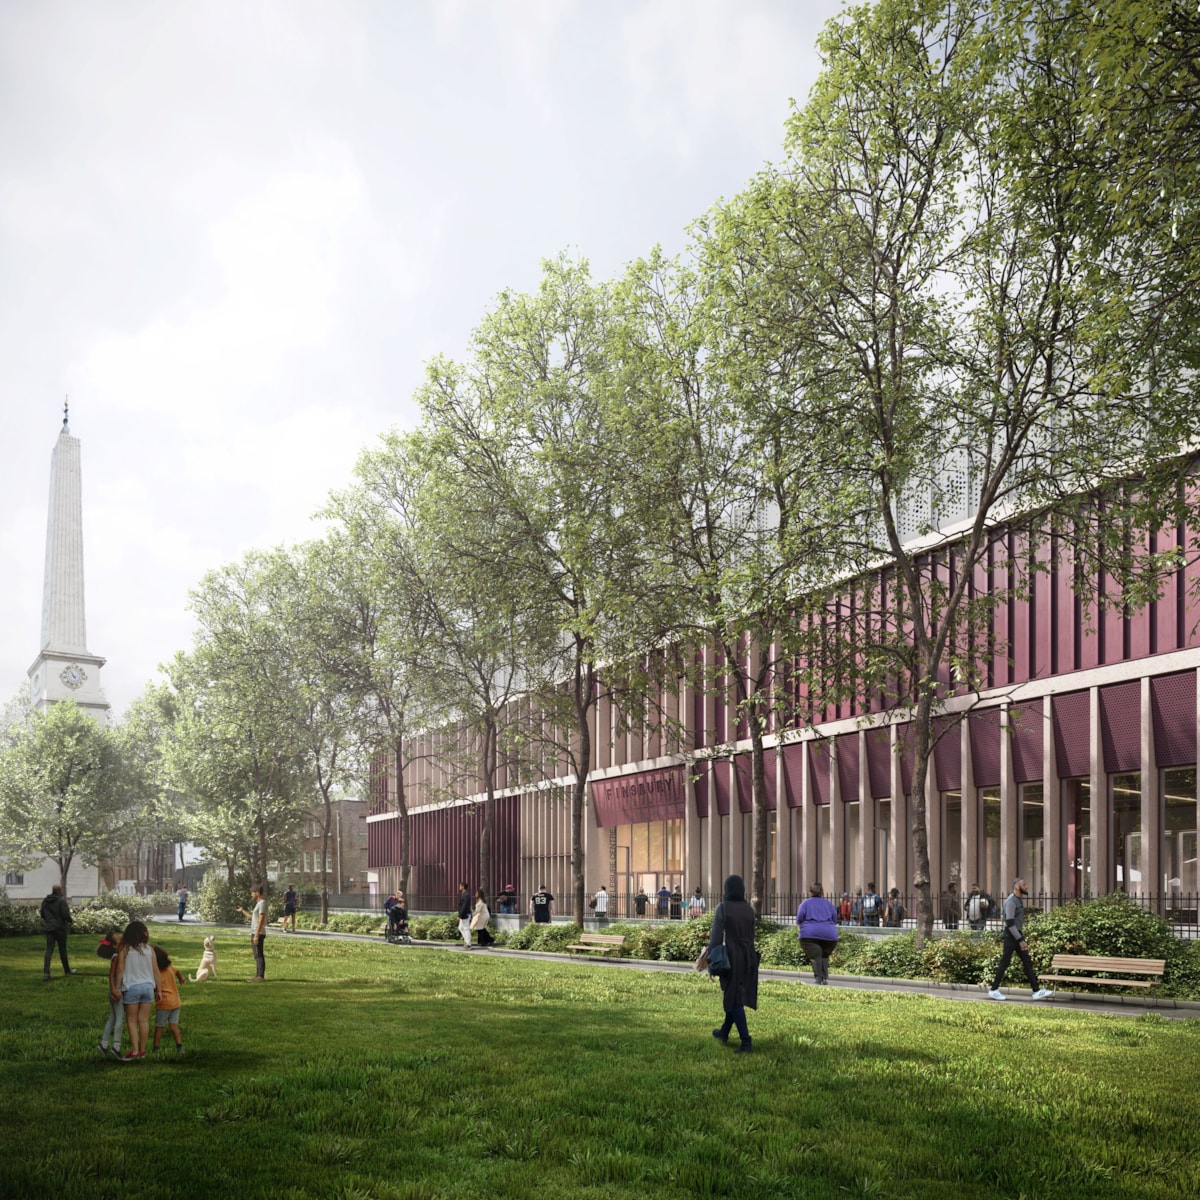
[(871, 907), (978, 906), (893, 910)]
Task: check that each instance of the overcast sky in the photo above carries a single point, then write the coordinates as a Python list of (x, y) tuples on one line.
[(234, 232)]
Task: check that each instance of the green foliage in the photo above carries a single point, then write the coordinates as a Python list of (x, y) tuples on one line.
[(133, 906), (957, 958), (1107, 925), (218, 900), (435, 929), (17, 920), (99, 920), (782, 949)]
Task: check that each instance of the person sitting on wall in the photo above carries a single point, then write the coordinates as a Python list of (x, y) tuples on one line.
[(508, 899)]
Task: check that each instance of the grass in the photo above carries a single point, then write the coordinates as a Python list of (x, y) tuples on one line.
[(362, 1070)]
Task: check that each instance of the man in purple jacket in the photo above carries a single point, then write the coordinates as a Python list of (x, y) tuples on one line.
[(817, 921)]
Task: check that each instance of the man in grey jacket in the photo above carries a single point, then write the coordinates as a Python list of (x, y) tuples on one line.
[(1014, 943), (56, 917)]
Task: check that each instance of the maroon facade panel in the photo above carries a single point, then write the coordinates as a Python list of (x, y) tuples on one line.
[(1173, 703), (879, 763), (700, 774), (1027, 723), (818, 762), (793, 764), (718, 772), (1072, 719), (1121, 726), (657, 795), (444, 848), (985, 747), (847, 761), (745, 783), (947, 754)]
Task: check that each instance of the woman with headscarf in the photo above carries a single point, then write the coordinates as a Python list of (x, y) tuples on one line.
[(733, 927)]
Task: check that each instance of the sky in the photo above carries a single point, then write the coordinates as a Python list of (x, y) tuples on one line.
[(234, 233)]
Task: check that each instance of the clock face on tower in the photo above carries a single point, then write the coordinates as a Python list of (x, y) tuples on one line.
[(73, 676)]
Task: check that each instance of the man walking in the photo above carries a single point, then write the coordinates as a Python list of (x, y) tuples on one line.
[(182, 897), (290, 903), (1014, 943), (56, 918), (464, 914), (258, 933), (602, 904)]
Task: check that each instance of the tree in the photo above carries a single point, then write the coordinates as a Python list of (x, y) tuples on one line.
[(721, 497), (526, 424), (916, 267), (63, 791)]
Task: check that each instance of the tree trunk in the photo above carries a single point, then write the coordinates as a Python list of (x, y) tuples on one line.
[(922, 726), (325, 866)]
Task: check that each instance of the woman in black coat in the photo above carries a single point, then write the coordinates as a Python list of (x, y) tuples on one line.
[(733, 926)]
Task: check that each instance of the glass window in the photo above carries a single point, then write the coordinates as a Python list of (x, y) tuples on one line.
[(824, 857), (1033, 838), (990, 835), (658, 849), (1077, 815), (1126, 793), (952, 839), (1179, 832), (675, 845), (14, 879), (854, 841), (883, 832), (641, 848)]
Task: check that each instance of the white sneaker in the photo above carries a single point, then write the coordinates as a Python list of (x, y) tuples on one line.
[(1042, 994), (996, 994)]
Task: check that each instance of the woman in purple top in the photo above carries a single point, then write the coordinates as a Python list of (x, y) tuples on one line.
[(817, 919)]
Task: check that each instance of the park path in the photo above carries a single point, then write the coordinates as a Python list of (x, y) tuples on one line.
[(1126, 1006)]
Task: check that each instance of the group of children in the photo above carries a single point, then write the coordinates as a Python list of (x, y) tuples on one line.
[(138, 973)]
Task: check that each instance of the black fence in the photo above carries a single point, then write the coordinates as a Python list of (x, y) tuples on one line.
[(951, 912)]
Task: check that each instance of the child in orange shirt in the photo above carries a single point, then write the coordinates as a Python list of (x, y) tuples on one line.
[(166, 1011)]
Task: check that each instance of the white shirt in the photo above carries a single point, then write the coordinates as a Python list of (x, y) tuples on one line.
[(139, 967), (260, 910), (602, 901)]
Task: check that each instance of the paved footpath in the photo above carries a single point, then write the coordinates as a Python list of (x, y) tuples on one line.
[(1122, 1006)]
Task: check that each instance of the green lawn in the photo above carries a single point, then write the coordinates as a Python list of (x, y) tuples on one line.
[(362, 1070)]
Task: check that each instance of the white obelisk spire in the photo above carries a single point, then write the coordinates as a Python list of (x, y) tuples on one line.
[(65, 667)]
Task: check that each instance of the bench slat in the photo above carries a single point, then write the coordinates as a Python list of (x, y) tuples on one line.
[(1096, 962), (1137, 983), (602, 942)]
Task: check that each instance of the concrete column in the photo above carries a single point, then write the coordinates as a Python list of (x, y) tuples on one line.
[(810, 832), (968, 854), (784, 856), (1102, 880), (1152, 809), (715, 878), (839, 870), (737, 841), (867, 866), (692, 858), (900, 839), (1052, 798), (1009, 804)]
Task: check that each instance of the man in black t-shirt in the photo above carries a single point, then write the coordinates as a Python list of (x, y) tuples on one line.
[(541, 904), (640, 901)]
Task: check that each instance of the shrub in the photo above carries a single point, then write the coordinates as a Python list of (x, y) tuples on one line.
[(166, 902), (100, 920), (850, 948), (958, 958), (685, 939), (646, 941), (17, 920), (135, 907), (435, 929), (894, 957), (782, 949), (1107, 925), (218, 900), (353, 923)]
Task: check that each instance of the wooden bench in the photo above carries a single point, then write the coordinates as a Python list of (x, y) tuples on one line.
[(1153, 967), (601, 942)]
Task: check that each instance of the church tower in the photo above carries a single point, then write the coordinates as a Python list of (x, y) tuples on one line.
[(65, 667)]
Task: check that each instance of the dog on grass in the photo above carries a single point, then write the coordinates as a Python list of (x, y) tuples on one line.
[(208, 962)]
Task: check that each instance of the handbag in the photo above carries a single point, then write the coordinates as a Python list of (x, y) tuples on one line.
[(718, 961)]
